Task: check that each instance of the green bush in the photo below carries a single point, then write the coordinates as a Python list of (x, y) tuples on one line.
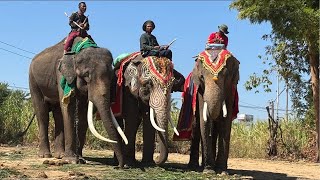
[(15, 111), (251, 140)]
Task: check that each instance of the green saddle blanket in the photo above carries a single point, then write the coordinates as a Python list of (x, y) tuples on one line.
[(85, 43)]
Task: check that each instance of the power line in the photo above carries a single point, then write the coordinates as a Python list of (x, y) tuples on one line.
[(16, 47), (15, 53)]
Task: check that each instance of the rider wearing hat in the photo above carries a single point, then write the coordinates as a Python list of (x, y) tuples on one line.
[(149, 45), (220, 36)]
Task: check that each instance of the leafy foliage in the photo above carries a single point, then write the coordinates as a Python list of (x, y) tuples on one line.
[(14, 112), (295, 42)]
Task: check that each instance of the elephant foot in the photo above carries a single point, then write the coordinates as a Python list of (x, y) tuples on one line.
[(209, 170), (193, 166), (82, 160), (147, 163), (222, 172), (44, 155), (58, 155), (132, 164), (72, 160)]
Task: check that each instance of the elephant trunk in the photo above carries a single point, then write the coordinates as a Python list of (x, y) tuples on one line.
[(103, 106), (162, 119), (213, 97)]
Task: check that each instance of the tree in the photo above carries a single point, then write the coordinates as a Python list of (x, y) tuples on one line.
[(295, 45)]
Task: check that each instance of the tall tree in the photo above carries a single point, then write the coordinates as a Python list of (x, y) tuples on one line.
[(295, 44)]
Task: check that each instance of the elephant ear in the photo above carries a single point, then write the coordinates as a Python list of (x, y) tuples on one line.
[(137, 60), (131, 74), (196, 73), (67, 68), (235, 71)]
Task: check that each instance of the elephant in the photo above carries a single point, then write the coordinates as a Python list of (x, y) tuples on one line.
[(147, 86), (216, 74), (91, 70)]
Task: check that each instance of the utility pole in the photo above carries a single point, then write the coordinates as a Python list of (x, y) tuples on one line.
[(287, 100), (271, 109), (318, 133)]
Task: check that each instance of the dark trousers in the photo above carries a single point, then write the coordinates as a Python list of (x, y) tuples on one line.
[(162, 53), (72, 36)]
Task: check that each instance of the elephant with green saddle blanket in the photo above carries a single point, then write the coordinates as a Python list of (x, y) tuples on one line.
[(91, 72)]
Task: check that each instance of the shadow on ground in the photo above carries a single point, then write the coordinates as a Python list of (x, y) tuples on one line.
[(178, 167), (259, 175)]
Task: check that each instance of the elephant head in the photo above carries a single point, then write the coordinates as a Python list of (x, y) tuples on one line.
[(215, 73), (151, 80)]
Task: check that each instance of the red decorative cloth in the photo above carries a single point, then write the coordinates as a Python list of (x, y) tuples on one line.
[(236, 102), (116, 107), (186, 116), (123, 63)]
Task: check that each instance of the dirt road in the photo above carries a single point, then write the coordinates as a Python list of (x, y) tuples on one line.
[(22, 162)]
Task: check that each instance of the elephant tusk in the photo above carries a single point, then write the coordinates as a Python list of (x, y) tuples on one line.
[(224, 109), (91, 126), (174, 128), (116, 124), (205, 109), (153, 122)]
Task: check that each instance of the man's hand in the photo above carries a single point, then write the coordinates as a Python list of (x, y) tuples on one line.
[(156, 47), (164, 47)]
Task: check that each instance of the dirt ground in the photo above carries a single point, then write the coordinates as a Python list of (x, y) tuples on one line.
[(25, 161)]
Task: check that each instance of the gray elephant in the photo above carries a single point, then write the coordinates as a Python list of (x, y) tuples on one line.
[(147, 85), (91, 72), (216, 74)]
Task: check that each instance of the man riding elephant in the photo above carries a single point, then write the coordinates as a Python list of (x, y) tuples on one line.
[(79, 24), (149, 46)]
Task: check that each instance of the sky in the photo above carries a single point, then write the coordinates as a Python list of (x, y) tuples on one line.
[(28, 27)]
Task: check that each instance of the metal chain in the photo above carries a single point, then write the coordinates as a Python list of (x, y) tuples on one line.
[(76, 125)]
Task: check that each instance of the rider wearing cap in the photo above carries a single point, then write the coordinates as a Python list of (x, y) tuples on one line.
[(219, 37)]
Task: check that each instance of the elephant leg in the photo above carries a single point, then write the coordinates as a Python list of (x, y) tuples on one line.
[(214, 134), (132, 122), (42, 113), (58, 132), (82, 125), (148, 140), (68, 112), (195, 143), (223, 144)]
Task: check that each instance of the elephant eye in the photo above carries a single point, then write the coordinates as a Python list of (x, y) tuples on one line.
[(86, 74), (86, 77)]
